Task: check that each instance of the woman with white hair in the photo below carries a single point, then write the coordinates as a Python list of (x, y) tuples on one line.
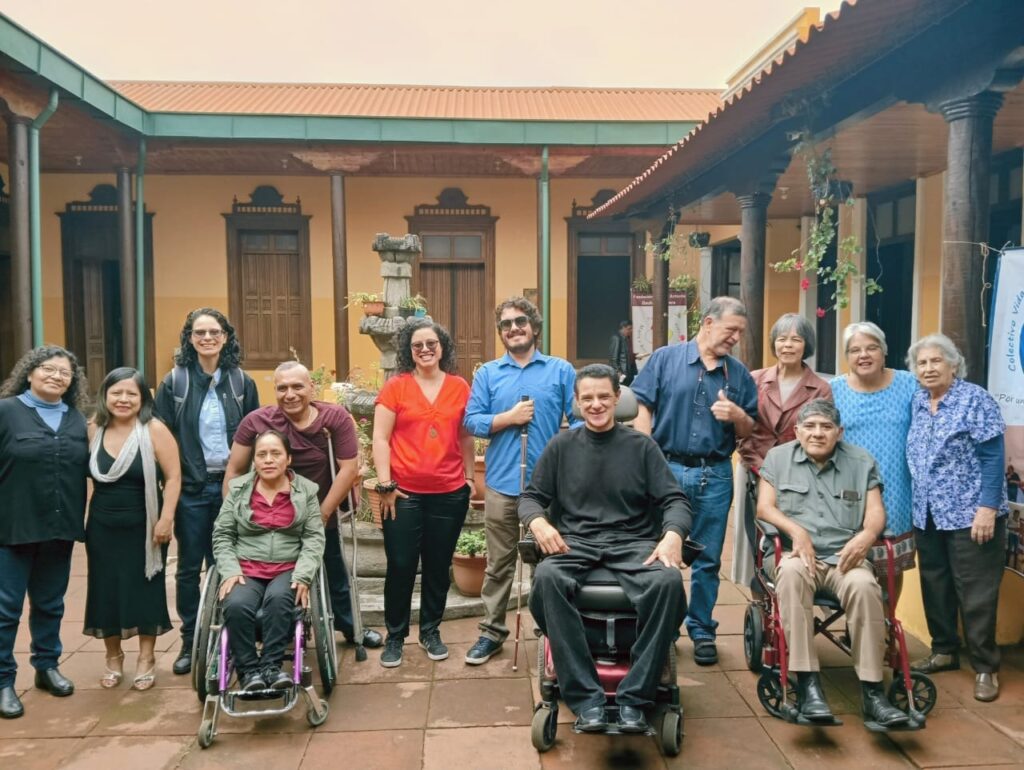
[(955, 451), (875, 404)]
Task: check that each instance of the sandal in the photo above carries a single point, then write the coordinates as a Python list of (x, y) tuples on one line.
[(112, 678), (145, 679)]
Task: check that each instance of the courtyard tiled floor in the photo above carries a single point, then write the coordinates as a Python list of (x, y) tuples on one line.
[(448, 715)]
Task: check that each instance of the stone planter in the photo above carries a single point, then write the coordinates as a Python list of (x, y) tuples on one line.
[(373, 308), (373, 500), (468, 572), (371, 559)]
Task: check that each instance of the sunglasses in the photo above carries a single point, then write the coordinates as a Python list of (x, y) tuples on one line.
[(212, 333), (505, 324), (427, 345)]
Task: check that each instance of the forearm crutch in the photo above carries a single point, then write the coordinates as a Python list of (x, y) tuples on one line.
[(523, 437)]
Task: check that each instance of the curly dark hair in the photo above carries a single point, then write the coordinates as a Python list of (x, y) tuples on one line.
[(102, 414), (230, 354), (528, 309), (77, 394), (404, 343)]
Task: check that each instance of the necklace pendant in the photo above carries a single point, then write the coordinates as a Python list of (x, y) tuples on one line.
[(433, 432)]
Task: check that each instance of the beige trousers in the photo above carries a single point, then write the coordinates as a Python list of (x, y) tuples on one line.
[(860, 596), (501, 527)]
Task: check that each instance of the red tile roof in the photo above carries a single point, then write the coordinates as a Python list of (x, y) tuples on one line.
[(448, 102)]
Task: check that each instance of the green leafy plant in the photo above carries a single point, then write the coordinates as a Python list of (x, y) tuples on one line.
[(419, 302), (642, 284), (471, 542), (363, 298), (480, 446)]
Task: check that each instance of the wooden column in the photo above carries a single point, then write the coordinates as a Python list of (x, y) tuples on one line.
[(21, 265), (968, 157), (753, 233), (126, 252), (659, 289), (339, 256)]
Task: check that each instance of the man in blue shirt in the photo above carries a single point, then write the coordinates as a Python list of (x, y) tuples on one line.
[(496, 411), (695, 401)]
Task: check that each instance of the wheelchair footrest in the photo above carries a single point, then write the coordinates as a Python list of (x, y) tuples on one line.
[(917, 722), (613, 727)]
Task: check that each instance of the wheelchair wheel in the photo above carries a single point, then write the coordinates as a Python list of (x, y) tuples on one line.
[(205, 734), (922, 689), (201, 637), (314, 719), (769, 692), (671, 734), (753, 637), (543, 727), (322, 620)]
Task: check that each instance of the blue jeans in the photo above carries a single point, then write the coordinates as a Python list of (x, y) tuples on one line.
[(193, 527), (709, 490), (42, 571)]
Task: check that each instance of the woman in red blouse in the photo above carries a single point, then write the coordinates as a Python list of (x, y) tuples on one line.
[(424, 462)]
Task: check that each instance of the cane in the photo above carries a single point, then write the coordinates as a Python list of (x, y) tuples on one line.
[(523, 437)]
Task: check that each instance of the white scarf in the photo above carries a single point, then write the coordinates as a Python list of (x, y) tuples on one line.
[(138, 439)]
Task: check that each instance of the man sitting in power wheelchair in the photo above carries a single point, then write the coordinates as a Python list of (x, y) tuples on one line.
[(824, 496), (610, 485)]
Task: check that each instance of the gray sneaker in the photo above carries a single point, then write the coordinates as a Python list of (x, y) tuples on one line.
[(392, 655), (431, 642)]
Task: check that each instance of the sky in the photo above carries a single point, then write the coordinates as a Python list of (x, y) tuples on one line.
[(611, 43)]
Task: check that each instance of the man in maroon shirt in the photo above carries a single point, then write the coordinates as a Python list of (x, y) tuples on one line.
[(307, 423)]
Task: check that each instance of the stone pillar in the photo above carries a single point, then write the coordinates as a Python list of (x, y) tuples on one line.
[(968, 157), (21, 265), (753, 233), (339, 256), (396, 257), (126, 252)]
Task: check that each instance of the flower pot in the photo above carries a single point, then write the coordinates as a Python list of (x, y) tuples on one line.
[(406, 312), (420, 312), (373, 500), (373, 308), (468, 572)]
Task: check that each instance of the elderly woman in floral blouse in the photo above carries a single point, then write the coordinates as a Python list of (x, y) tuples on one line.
[(955, 454)]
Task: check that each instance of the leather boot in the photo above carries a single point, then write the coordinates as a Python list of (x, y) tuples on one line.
[(810, 698), (877, 708), (10, 703)]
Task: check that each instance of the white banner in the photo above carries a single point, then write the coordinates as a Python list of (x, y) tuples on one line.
[(1006, 384)]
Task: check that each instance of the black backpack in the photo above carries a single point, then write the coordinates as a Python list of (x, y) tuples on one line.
[(180, 383)]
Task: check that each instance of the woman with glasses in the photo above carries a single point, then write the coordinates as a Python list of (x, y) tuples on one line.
[(44, 457), (202, 400), (874, 402), (424, 460)]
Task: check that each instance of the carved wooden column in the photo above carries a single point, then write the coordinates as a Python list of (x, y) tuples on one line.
[(339, 254), (968, 157), (753, 234), (21, 267), (127, 258), (659, 288)]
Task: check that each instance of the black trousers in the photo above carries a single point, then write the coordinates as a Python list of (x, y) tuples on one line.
[(277, 600), (337, 581), (656, 591), (957, 574), (424, 529)]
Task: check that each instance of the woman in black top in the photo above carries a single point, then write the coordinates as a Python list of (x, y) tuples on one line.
[(44, 457)]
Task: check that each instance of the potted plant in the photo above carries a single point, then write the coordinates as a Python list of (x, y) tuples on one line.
[(412, 306), (371, 301), (642, 284), (470, 561)]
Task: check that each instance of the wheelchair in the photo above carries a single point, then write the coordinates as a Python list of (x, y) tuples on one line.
[(765, 650), (213, 669)]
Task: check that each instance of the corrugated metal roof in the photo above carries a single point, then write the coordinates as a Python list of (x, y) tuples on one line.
[(400, 101), (846, 40)]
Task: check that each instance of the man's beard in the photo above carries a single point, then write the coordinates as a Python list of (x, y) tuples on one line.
[(520, 345)]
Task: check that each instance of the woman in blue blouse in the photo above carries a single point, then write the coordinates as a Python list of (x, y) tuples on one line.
[(955, 451)]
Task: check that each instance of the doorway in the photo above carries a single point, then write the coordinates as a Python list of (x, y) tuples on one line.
[(890, 262), (603, 278)]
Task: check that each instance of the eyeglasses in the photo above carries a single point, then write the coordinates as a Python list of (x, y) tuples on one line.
[(425, 345), (872, 349), (53, 371), (505, 324), (700, 396), (211, 333)]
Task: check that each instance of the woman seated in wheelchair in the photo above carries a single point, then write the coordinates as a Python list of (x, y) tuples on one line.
[(824, 496), (267, 541)]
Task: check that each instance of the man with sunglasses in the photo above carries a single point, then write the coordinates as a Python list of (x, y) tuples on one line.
[(696, 400), (497, 411)]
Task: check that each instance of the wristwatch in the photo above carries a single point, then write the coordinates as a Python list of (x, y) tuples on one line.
[(383, 489)]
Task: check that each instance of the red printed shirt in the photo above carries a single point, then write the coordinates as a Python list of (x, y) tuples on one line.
[(276, 515)]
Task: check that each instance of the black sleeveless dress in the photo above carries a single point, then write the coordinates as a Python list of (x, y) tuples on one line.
[(120, 601)]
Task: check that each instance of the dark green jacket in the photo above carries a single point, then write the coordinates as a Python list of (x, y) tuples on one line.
[(236, 537)]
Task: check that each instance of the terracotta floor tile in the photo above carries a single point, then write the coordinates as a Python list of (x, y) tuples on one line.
[(377, 750), (730, 653), (726, 743), (381, 706), (846, 746), (154, 712), (480, 702), (246, 752), (711, 695), (480, 748), (498, 667), (36, 753), (958, 737), (574, 751), (50, 717), (565, 715), (729, 594), (1009, 720), (416, 666), (730, 618), (960, 685), (460, 630), (136, 752)]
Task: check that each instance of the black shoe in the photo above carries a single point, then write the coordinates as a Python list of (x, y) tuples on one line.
[(810, 699), (10, 704), (705, 652), (876, 706), (253, 681), (482, 651), (431, 642), (371, 639), (937, 661), (592, 720), (631, 720), (392, 655), (54, 682), (276, 679), (183, 663)]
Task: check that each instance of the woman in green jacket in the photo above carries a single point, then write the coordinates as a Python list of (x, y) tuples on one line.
[(268, 540)]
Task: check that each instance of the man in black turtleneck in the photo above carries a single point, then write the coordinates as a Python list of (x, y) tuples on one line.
[(612, 485)]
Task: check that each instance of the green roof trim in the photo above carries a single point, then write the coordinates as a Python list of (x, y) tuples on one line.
[(23, 47)]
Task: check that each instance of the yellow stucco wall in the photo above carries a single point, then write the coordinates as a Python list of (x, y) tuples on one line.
[(928, 239)]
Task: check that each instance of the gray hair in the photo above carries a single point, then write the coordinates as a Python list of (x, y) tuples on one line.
[(287, 366), (866, 328), (821, 407), (794, 322), (944, 345), (722, 306)]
